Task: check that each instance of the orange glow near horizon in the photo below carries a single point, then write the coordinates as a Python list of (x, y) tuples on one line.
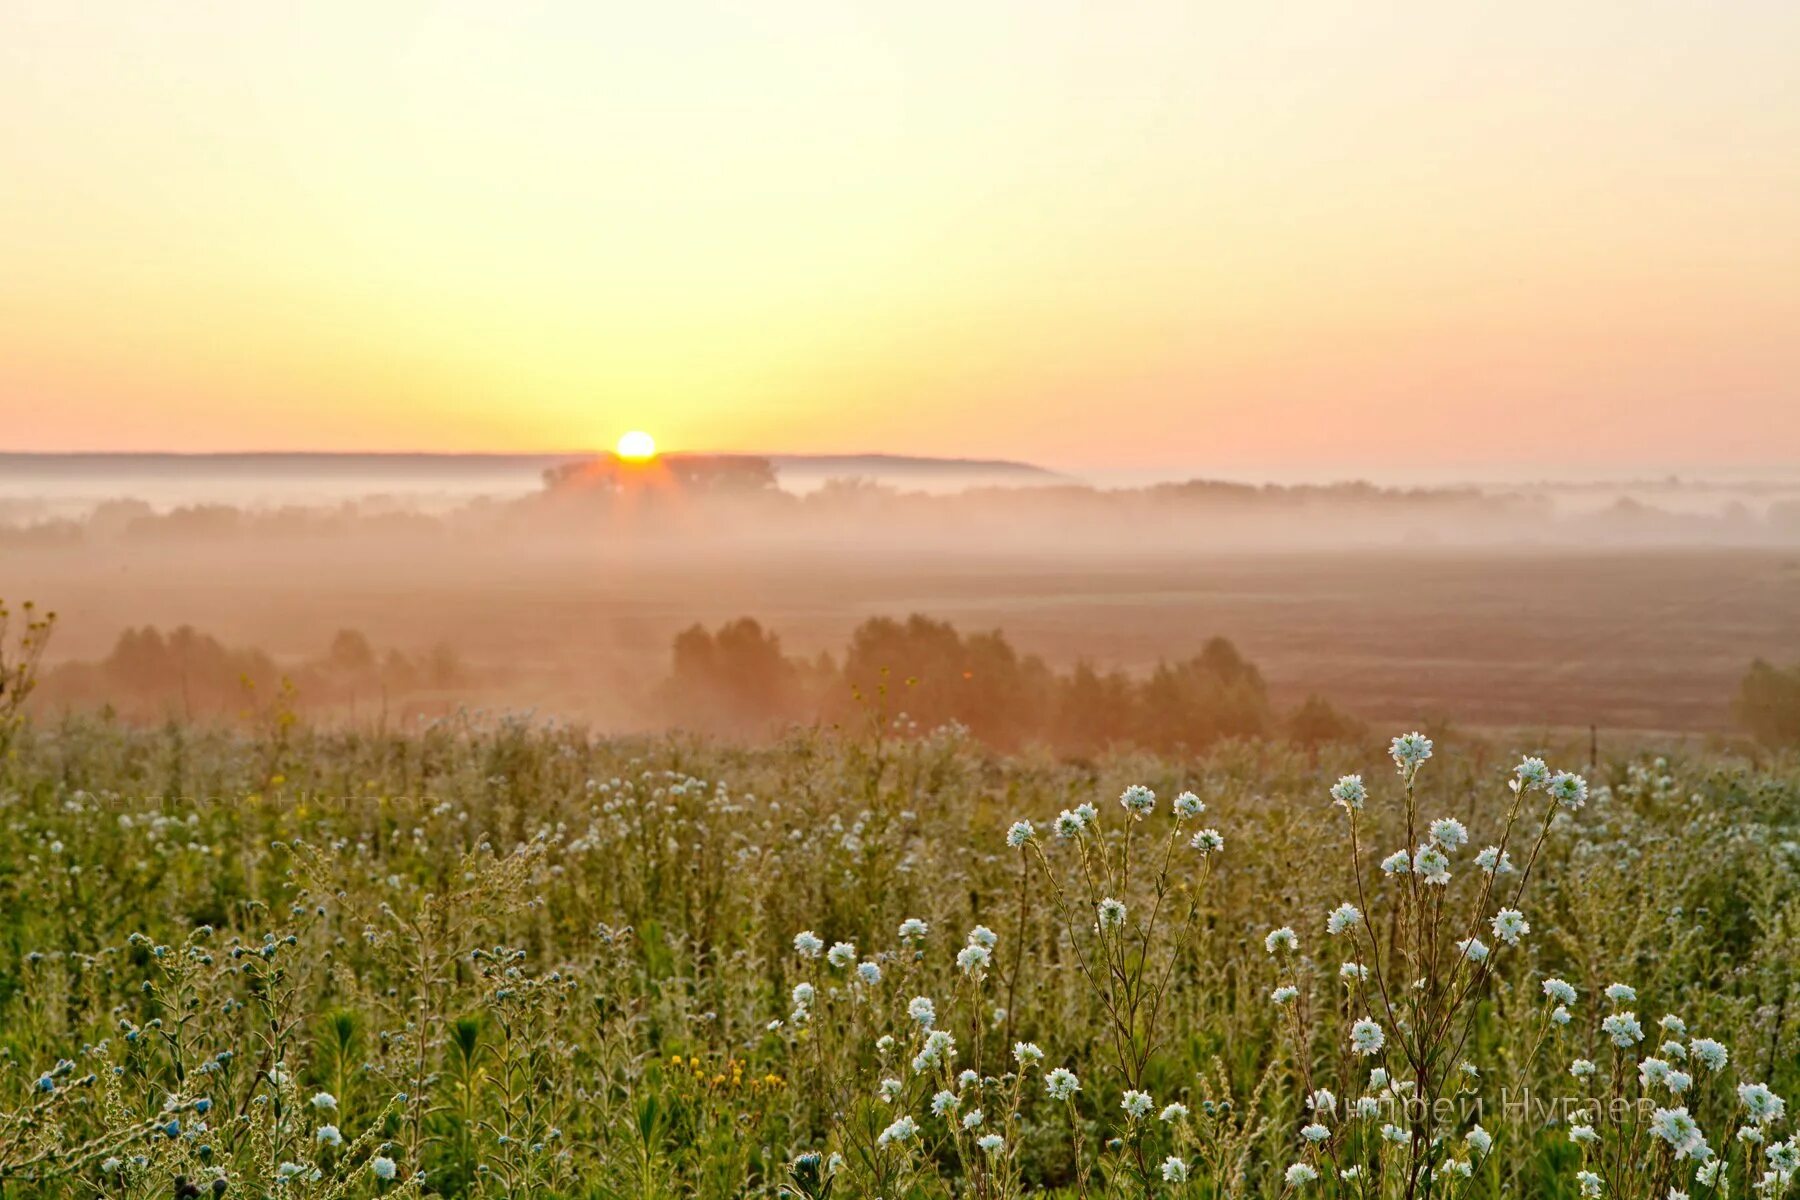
[(1169, 234)]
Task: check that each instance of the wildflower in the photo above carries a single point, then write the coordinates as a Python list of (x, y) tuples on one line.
[(1432, 865), (1623, 1029), (1367, 1106), (968, 1079), (884, 1045), (1111, 913), (1479, 1141), (1352, 970), (1581, 1068), (1397, 863), (1784, 1157), (1138, 800), (1020, 833), (1653, 1071), (899, 1131), (328, 1135), (1088, 813), (1449, 833), (922, 1011), (1027, 1053), (1285, 994), (1314, 1133), (803, 996), (1678, 1082), (325, 1101), (1559, 990), (1172, 1113), (1473, 949), (973, 960), (1207, 841), (1349, 792), (807, 944), (1672, 1024), (1678, 1129), (1621, 993), (1569, 790), (1322, 1101), (1494, 860), (1409, 751), (1531, 773), (889, 1090), (944, 1103), (1560, 1015), (1590, 1184), (913, 930), (1136, 1105), (1068, 825), (991, 1143), (1299, 1174), (869, 972), (1510, 925), (1366, 1037), (1710, 1054), (841, 954), (939, 1047), (984, 937), (1282, 939), (382, 1167), (1188, 806), (1061, 1084), (1764, 1106), (1343, 917), (1174, 1170)]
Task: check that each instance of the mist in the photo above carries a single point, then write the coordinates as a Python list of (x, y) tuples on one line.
[(398, 587)]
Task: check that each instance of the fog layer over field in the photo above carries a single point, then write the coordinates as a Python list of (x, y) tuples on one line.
[(1621, 606)]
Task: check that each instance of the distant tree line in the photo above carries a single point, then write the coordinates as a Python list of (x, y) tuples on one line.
[(188, 673), (737, 681)]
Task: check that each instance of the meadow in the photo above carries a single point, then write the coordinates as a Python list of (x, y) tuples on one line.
[(1648, 639), (499, 957)]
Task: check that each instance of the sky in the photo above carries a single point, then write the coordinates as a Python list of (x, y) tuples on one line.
[(1306, 236)]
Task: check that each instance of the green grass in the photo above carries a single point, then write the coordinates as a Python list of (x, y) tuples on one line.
[(526, 961)]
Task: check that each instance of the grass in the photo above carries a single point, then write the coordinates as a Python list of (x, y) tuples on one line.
[(510, 958)]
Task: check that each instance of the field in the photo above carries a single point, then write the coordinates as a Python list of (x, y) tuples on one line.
[(507, 959), (1648, 640)]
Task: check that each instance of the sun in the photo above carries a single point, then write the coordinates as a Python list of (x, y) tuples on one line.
[(637, 446)]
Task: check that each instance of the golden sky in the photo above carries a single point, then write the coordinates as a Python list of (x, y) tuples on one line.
[(1348, 235)]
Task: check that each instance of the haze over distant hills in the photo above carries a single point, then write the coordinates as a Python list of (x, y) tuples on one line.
[(283, 477)]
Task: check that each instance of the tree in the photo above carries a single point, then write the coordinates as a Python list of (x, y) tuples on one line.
[(1317, 721), (1768, 704), (1093, 711), (1217, 694), (734, 681)]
